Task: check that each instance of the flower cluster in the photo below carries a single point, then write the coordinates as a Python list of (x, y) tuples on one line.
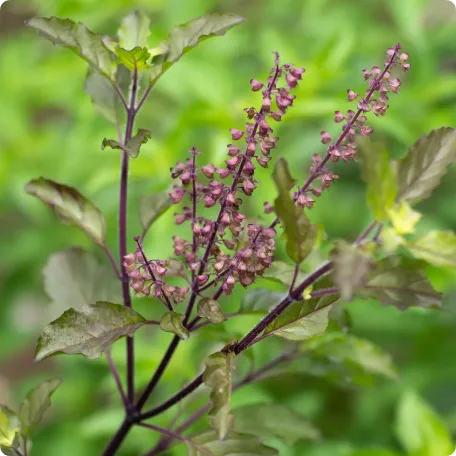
[(207, 254), (375, 99), (146, 277)]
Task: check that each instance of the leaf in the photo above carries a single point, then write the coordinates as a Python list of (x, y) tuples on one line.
[(152, 207), (36, 404), (218, 377), (419, 429), (401, 283), (188, 35), (210, 309), (303, 319), (437, 248), (301, 234), (351, 268), (74, 278), (419, 173), (234, 444), (173, 322), (104, 97), (137, 58), (283, 273), (374, 452), (78, 38), (89, 331), (9, 427), (404, 218), (134, 30), (261, 299), (379, 176), (70, 207), (273, 421), (359, 354), (133, 145)]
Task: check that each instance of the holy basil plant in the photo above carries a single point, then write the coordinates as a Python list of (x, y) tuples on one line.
[(224, 248)]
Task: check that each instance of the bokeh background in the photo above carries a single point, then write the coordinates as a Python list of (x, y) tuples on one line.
[(49, 128)]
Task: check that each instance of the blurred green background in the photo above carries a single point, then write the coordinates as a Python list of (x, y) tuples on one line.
[(49, 128)]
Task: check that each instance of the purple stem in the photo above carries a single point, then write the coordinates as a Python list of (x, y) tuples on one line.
[(115, 374)]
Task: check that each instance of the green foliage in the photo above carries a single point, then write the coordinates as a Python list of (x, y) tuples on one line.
[(425, 164), (260, 299), (303, 319), (9, 427), (435, 247), (404, 218), (134, 30), (173, 322), (233, 444), (380, 178), (210, 309), (273, 421), (420, 431), (301, 234), (35, 405), (152, 207), (90, 330), (351, 268), (283, 273), (136, 59), (74, 278), (218, 376), (359, 356), (70, 207), (78, 38), (132, 146), (188, 35), (402, 283)]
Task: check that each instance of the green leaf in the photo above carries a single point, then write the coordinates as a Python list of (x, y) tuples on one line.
[(137, 58), (173, 322), (35, 405), (303, 319), (89, 331), (218, 377), (261, 299), (301, 234), (351, 268), (134, 30), (78, 38), (404, 218), (419, 429), (401, 283), (152, 207), (210, 309), (379, 176), (188, 35), (282, 273), (74, 278), (104, 97), (374, 452), (133, 145), (436, 247), (420, 172), (273, 421), (360, 355), (234, 444), (9, 427), (70, 207)]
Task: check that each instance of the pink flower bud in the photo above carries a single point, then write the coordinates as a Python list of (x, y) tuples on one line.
[(325, 137), (351, 95), (339, 117), (236, 134), (208, 170), (256, 85)]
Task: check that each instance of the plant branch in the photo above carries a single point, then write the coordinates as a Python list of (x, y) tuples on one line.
[(113, 262), (175, 435), (115, 374)]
